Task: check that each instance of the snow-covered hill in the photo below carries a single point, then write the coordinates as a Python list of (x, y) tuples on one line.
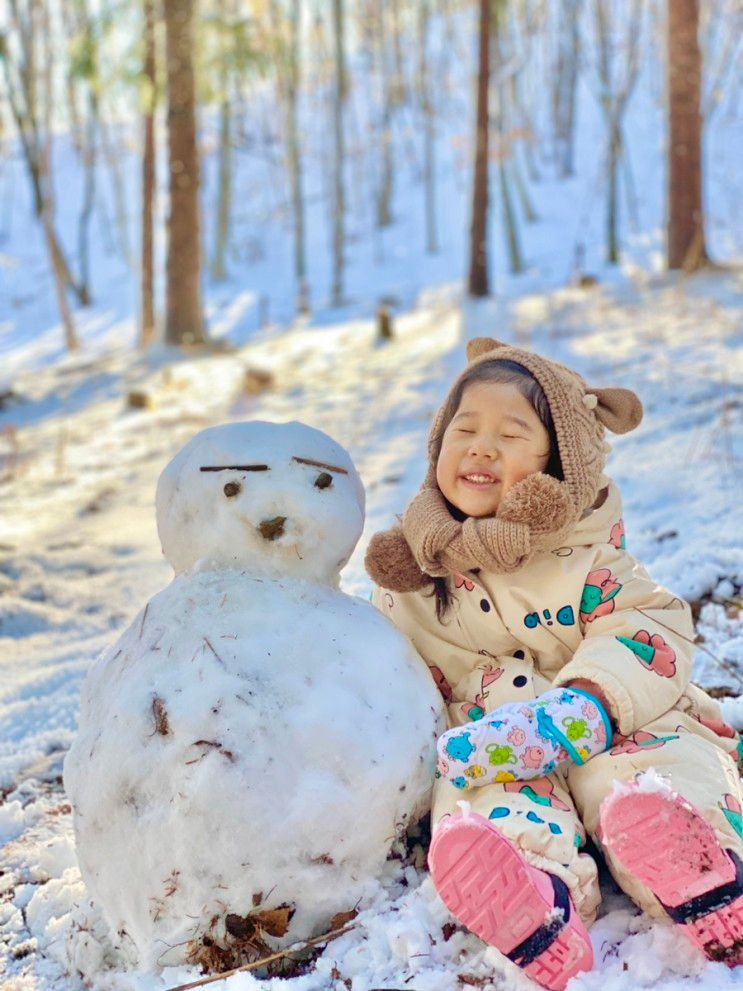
[(80, 555)]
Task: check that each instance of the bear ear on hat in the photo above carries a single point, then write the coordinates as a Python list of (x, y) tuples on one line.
[(481, 345), (620, 410)]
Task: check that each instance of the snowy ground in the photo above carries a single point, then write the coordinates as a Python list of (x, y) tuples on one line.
[(79, 555)]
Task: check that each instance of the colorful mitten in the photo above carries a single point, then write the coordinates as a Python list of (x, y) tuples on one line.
[(523, 740)]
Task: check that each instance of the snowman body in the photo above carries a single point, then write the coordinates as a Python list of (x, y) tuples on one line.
[(256, 738)]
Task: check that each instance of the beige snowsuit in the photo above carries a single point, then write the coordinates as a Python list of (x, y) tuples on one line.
[(586, 610)]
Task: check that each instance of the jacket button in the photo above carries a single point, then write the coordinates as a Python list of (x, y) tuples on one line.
[(520, 680), (484, 605)]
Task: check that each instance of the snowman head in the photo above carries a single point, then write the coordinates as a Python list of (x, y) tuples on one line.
[(280, 499)]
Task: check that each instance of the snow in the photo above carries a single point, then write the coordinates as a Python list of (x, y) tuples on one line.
[(647, 782), (97, 568), (79, 549)]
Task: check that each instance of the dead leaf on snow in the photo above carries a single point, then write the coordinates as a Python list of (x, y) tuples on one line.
[(162, 726), (341, 919), (274, 921)]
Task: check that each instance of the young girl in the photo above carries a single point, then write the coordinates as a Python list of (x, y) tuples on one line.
[(566, 673)]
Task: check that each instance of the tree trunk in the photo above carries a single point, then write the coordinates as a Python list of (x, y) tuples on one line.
[(77, 24), (398, 82), (295, 159), (384, 192), (73, 110), (23, 99), (184, 319), (112, 155), (83, 226), (515, 259), (685, 233), (565, 82), (617, 44), (389, 88), (339, 204), (41, 11), (505, 145), (149, 175), (478, 273), (287, 62), (630, 188), (570, 92), (224, 176), (429, 131), (58, 275), (219, 271), (522, 190), (527, 118), (613, 157)]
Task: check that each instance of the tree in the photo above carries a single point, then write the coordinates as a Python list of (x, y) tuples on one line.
[(564, 83), (685, 230), (478, 274), (505, 152), (82, 73), (224, 181), (149, 173), (28, 67), (339, 199), (617, 78), (287, 59), (184, 319), (391, 89), (428, 111)]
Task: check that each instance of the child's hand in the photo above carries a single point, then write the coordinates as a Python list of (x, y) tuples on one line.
[(523, 740)]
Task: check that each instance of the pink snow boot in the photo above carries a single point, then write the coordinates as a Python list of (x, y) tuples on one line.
[(664, 842), (488, 885)]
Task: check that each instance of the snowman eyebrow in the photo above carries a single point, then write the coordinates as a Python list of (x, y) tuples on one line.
[(234, 468), (320, 464)]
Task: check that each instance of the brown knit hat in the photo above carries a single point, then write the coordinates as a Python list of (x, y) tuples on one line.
[(537, 512), (579, 412)]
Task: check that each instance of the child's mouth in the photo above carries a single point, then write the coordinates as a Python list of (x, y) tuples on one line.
[(479, 481)]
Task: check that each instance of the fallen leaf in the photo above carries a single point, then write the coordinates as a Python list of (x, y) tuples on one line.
[(341, 919), (274, 921)]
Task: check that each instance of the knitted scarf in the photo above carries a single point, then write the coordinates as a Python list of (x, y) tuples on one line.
[(533, 517)]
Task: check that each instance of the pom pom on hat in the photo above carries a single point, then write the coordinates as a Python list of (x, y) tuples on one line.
[(389, 562)]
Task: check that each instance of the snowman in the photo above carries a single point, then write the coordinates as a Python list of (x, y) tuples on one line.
[(254, 742)]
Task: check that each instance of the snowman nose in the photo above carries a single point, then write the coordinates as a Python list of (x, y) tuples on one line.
[(271, 529)]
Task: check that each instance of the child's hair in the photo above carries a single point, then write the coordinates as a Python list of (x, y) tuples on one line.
[(506, 373)]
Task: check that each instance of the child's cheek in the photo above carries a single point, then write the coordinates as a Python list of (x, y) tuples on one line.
[(441, 477)]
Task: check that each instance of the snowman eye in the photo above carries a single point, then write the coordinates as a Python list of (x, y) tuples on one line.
[(323, 480), (231, 489)]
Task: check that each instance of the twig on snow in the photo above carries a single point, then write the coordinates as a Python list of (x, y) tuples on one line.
[(207, 641), (294, 948)]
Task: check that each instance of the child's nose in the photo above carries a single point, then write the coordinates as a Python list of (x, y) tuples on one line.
[(484, 445)]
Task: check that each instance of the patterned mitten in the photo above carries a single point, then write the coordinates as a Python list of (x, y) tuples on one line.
[(524, 740)]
